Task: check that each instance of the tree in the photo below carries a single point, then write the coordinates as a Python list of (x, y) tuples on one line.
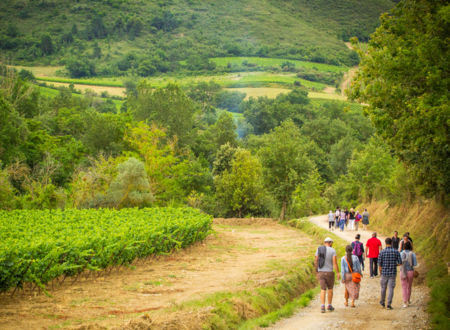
[(224, 130), (285, 161), (168, 107), (131, 187), (47, 45), (404, 78), (239, 189)]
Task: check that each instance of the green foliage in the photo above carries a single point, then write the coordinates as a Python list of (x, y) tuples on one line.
[(229, 100), (404, 77), (7, 191), (224, 130), (239, 189), (309, 31), (131, 187), (307, 198), (285, 161), (80, 67), (40, 246), (168, 107)]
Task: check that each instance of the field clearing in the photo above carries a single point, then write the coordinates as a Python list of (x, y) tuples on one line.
[(258, 92), (241, 255), (327, 96), (39, 71), (271, 62), (113, 91)]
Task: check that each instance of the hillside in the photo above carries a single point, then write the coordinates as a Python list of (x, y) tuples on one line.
[(114, 36)]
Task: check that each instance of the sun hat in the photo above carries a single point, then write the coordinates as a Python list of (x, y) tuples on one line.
[(328, 240)]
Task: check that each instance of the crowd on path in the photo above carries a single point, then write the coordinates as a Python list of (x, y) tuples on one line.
[(383, 263), (347, 219)]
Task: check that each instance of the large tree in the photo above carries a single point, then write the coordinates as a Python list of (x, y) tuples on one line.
[(404, 77), (286, 162)]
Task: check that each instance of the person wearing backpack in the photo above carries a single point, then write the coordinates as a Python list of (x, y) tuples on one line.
[(325, 261), (388, 260), (358, 218), (351, 275), (358, 250), (409, 261), (365, 219)]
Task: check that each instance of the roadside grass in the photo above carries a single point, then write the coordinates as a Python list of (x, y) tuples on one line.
[(428, 223), (272, 62)]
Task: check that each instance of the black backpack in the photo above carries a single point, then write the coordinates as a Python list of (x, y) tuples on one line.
[(322, 252)]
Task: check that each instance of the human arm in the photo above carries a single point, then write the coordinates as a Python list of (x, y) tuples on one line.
[(316, 263), (336, 268), (342, 269), (399, 259), (414, 260)]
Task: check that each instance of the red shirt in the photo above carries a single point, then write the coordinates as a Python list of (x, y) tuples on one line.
[(373, 244)]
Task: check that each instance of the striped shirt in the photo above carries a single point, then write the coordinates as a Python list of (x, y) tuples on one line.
[(388, 260)]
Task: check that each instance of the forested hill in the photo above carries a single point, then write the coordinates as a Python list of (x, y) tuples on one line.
[(120, 31)]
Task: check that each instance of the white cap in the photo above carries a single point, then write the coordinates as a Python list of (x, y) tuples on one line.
[(328, 239)]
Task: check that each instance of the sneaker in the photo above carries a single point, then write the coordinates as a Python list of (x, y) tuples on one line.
[(389, 307), (330, 308), (322, 309), (405, 305), (382, 304)]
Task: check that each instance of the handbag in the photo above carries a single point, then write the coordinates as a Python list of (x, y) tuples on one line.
[(356, 277)]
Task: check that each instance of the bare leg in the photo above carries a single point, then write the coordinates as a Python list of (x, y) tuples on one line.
[(330, 296), (322, 296)]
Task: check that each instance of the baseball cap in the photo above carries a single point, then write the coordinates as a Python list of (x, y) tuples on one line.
[(328, 240)]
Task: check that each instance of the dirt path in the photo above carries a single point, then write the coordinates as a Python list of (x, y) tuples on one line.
[(241, 254), (368, 314)]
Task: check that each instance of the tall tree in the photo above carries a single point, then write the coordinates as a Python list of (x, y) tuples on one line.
[(404, 77), (286, 162)]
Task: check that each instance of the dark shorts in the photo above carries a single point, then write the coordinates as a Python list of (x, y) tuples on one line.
[(326, 280)]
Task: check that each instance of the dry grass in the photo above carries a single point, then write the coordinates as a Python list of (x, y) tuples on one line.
[(326, 96), (113, 91), (40, 71)]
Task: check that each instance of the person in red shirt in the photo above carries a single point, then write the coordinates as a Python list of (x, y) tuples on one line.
[(373, 248)]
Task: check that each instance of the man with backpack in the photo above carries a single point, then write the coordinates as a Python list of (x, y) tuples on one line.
[(388, 259), (358, 250), (325, 261)]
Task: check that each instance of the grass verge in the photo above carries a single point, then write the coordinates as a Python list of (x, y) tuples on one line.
[(429, 225)]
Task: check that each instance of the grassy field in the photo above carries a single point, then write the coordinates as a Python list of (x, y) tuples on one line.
[(276, 62)]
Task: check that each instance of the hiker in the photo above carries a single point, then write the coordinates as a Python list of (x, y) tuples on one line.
[(346, 217), (373, 248), (331, 220), (389, 259), (350, 264), (342, 218), (351, 219), (409, 261), (358, 250), (395, 240), (337, 215), (358, 218), (404, 240), (325, 262), (365, 219)]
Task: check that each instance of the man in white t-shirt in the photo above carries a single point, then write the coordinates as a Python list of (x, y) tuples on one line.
[(324, 263)]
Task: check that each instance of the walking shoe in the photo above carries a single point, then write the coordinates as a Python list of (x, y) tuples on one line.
[(405, 305), (382, 304), (389, 307), (322, 309), (330, 308)]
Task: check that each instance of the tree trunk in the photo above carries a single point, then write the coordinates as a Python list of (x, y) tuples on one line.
[(283, 210)]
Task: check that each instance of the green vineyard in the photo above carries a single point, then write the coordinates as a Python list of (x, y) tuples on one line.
[(37, 246)]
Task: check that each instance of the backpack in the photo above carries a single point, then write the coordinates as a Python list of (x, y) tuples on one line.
[(357, 251), (322, 252)]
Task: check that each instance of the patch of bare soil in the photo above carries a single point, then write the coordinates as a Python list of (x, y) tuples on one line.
[(241, 254), (368, 313)]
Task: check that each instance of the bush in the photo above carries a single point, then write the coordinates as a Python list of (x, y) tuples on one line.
[(80, 67)]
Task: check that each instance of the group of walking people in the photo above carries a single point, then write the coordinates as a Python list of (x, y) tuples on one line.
[(382, 261), (344, 218)]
